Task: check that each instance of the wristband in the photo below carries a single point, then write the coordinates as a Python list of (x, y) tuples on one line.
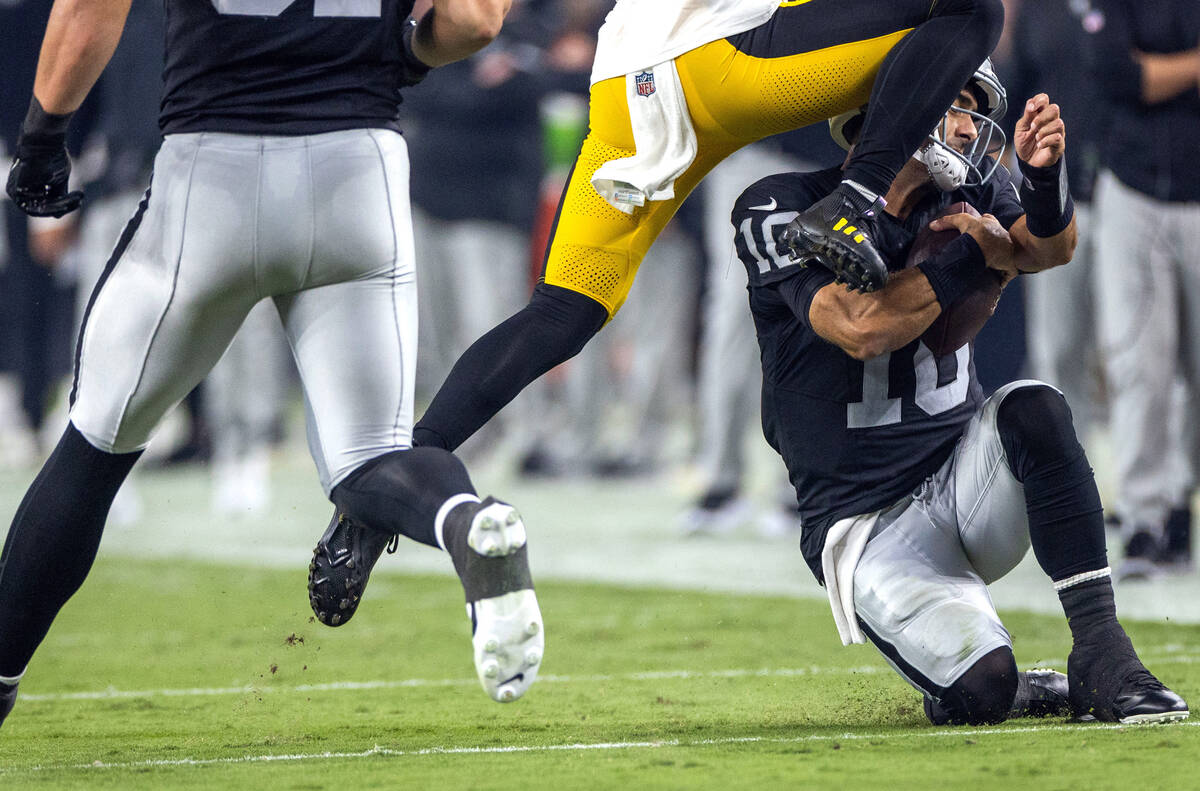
[(412, 68), (952, 272), (43, 128), (1046, 199)]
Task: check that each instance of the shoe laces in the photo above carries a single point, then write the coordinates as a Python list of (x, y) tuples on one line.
[(1141, 679)]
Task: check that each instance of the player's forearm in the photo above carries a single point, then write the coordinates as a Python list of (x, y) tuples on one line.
[(80, 38), (455, 29), (1166, 76), (1036, 254), (868, 325)]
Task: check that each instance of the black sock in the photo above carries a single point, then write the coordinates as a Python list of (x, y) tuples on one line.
[(919, 80), (1066, 520), (550, 330), (401, 492), (53, 541), (1091, 610)]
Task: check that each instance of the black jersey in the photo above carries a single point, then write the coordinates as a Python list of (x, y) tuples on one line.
[(856, 436), (282, 67)]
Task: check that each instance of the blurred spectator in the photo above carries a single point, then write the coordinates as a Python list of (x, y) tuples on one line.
[(35, 304), (1146, 63), (1061, 327)]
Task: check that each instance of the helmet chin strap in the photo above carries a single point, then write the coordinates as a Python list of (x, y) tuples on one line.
[(947, 172)]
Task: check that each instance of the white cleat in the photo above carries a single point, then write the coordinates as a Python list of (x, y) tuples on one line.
[(508, 642), (508, 634), (496, 531)]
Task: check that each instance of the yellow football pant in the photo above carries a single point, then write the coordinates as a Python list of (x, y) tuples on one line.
[(734, 99)]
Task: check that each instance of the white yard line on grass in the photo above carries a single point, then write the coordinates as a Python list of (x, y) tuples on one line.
[(973, 733), (338, 686)]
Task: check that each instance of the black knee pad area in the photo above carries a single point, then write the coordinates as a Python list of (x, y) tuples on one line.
[(984, 694), (567, 318), (1036, 429)]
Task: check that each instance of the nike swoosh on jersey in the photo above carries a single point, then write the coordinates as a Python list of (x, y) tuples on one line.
[(772, 206)]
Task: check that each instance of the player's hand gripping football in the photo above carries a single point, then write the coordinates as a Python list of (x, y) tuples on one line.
[(37, 181), (993, 240), (1040, 135)]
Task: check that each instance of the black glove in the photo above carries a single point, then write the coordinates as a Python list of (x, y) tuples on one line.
[(37, 181)]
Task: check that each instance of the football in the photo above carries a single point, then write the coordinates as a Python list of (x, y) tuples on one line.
[(961, 322)]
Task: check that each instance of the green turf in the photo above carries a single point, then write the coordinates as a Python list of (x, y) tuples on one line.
[(716, 691)]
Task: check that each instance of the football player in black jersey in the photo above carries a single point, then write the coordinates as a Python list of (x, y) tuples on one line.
[(281, 175), (915, 491)]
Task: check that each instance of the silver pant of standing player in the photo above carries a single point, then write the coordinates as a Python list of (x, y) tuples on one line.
[(318, 224), (1148, 303)]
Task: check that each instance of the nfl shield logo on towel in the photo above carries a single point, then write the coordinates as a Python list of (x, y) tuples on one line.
[(644, 83)]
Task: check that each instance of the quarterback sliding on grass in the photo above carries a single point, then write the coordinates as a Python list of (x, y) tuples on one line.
[(915, 491)]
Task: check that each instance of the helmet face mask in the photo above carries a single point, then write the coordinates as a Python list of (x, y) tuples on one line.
[(951, 168)]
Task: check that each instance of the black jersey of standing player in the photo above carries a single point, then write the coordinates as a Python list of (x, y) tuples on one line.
[(855, 436), (281, 67)]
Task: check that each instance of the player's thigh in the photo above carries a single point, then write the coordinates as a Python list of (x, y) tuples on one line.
[(171, 297), (809, 62), (922, 603), (988, 501), (355, 347), (595, 249)]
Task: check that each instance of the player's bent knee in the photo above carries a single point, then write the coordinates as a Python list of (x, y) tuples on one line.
[(984, 694), (567, 319), (1036, 428)]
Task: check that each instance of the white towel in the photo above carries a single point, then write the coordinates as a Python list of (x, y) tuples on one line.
[(844, 545), (663, 136)]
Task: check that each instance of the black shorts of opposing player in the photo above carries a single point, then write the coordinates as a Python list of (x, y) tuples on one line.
[(1066, 520), (551, 329)]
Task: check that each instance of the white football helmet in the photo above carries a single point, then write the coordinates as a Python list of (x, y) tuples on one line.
[(948, 167)]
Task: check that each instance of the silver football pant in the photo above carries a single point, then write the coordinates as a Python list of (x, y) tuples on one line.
[(1148, 303), (920, 587), (319, 224)]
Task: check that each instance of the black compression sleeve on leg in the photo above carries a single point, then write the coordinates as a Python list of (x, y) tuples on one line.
[(53, 541), (550, 330), (919, 80), (1066, 520), (401, 492)]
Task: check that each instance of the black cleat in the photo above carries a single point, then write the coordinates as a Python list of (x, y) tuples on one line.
[(1109, 683), (838, 232), (341, 564), (1040, 693)]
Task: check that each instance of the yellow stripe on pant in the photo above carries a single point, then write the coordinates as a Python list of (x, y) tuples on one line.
[(733, 99)]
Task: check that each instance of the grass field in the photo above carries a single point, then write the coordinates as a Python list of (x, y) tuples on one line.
[(182, 674)]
